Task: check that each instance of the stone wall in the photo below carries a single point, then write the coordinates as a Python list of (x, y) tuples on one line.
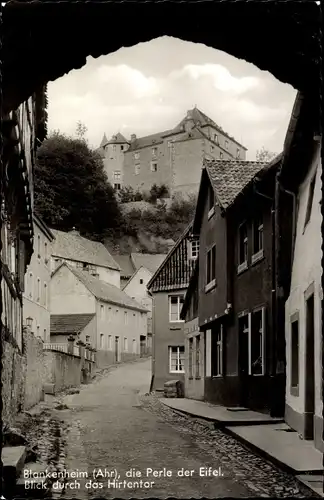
[(12, 378), (34, 370), (62, 369)]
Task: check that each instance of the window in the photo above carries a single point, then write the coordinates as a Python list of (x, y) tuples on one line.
[(45, 294), (46, 252), (310, 200), (176, 359), (257, 343), (122, 148), (31, 285), (45, 334), (226, 145), (117, 175), (169, 144), (211, 268), (190, 356), (134, 347), (154, 151), (136, 156), (109, 341), (154, 166), (125, 344), (38, 289), (175, 305), (101, 341), (87, 339), (211, 149), (211, 201), (102, 312), (217, 352), (38, 246), (243, 246), (198, 356), (257, 238), (137, 169), (117, 187), (221, 155), (125, 318), (141, 281), (216, 138), (294, 354), (238, 153), (252, 342), (194, 249), (38, 331)]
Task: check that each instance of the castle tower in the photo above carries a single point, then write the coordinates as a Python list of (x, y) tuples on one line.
[(114, 159)]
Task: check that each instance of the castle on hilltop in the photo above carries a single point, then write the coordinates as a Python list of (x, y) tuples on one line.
[(173, 157)]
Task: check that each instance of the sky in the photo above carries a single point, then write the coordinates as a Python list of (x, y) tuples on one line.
[(149, 87)]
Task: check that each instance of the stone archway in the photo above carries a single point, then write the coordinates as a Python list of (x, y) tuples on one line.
[(43, 40)]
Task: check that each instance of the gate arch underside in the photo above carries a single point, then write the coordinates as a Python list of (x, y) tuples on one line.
[(44, 40)]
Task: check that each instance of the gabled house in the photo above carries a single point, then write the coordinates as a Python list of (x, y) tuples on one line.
[(300, 178), (168, 287), (87, 255), (36, 297), (234, 221), (119, 320)]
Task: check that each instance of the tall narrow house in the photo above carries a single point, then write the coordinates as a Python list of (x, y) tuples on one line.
[(168, 286)]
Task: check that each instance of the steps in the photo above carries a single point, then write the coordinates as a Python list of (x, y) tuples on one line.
[(13, 460)]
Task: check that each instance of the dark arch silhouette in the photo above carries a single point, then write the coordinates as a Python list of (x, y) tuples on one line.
[(43, 40)]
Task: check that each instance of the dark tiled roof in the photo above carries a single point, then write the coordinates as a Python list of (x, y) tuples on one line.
[(118, 139), (69, 323), (151, 261), (105, 291), (72, 246), (229, 177), (148, 140)]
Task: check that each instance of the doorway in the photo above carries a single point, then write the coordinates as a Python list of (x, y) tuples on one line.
[(117, 350), (309, 370), (243, 359)]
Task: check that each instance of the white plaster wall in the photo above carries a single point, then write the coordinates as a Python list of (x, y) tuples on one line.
[(69, 295), (138, 290), (112, 322), (40, 268), (306, 270)]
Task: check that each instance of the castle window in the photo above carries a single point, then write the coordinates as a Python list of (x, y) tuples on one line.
[(216, 138), (237, 153), (221, 155), (117, 187), (122, 148), (117, 175), (154, 166), (154, 151), (137, 169), (136, 156)]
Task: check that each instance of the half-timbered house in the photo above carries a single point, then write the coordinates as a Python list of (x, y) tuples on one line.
[(168, 287)]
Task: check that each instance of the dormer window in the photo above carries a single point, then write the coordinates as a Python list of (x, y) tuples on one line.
[(216, 138), (221, 155), (226, 145)]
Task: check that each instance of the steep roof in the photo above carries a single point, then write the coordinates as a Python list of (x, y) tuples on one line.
[(75, 247), (102, 290), (228, 179), (69, 323), (151, 261), (118, 139), (126, 265), (42, 226), (148, 140), (104, 141)]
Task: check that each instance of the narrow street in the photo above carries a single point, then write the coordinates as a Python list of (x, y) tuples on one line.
[(111, 425)]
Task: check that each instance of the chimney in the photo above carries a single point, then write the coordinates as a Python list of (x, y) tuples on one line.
[(133, 137)]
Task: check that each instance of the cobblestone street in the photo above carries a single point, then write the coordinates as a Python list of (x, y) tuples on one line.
[(113, 424)]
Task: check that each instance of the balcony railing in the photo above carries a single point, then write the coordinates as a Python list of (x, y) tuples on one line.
[(56, 347)]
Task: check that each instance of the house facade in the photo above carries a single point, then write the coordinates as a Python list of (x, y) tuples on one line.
[(36, 297), (194, 342), (84, 254), (173, 157), (304, 304), (119, 321), (21, 129), (168, 286), (235, 227)]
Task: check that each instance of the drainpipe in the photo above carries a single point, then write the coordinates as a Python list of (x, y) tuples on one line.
[(153, 340)]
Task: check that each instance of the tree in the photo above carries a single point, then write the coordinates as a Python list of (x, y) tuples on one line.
[(81, 130), (264, 155), (71, 188)]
